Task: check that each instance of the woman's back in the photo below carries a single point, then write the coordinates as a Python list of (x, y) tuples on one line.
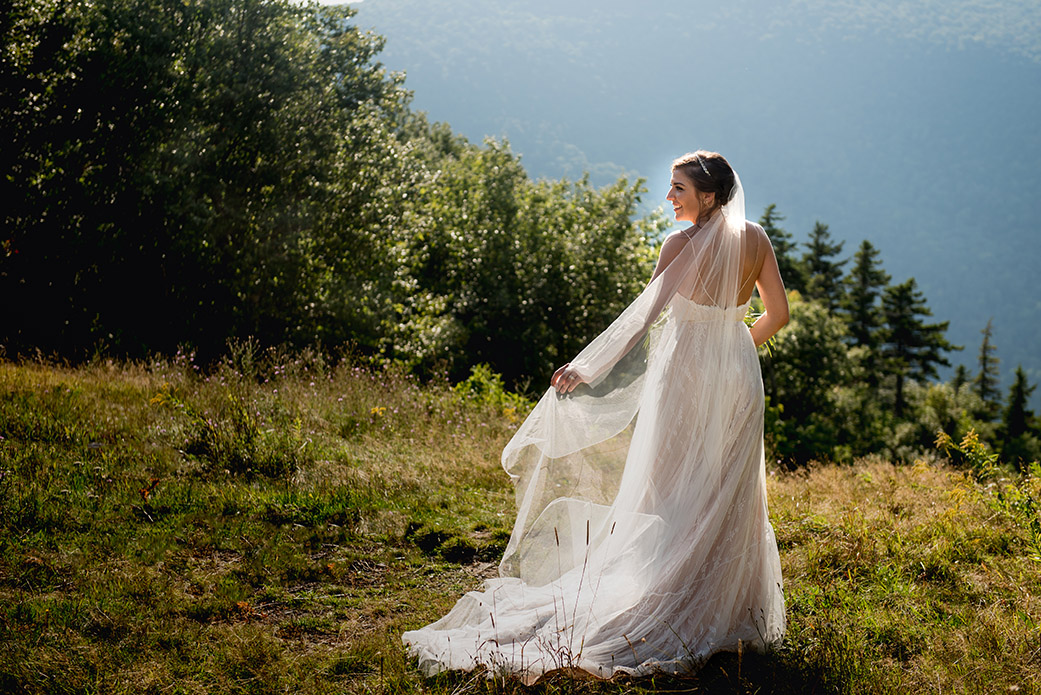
[(720, 266), (755, 246)]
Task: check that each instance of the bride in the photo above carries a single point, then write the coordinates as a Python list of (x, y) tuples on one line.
[(642, 541)]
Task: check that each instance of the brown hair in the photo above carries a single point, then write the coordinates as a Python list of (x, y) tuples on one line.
[(710, 172)]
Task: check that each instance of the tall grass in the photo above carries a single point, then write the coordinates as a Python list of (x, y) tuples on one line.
[(275, 523)]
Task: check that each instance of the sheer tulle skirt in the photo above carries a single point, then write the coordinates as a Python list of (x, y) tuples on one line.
[(655, 569)]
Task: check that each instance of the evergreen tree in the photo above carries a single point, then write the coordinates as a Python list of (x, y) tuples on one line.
[(792, 272), (961, 377), (911, 348), (823, 272), (1017, 441), (986, 382), (864, 286), (1016, 419)]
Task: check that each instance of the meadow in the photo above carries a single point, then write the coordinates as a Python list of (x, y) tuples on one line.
[(274, 523)]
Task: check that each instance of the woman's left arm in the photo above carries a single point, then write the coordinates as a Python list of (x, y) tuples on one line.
[(771, 291)]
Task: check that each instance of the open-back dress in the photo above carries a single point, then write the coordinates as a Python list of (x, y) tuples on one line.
[(642, 541)]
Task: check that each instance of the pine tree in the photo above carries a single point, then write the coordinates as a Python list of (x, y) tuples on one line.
[(961, 377), (824, 274), (791, 269), (1017, 442), (986, 382), (1016, 419), (911, 348), (864, 286)]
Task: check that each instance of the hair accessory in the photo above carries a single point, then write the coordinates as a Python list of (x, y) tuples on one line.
[(703, 167)]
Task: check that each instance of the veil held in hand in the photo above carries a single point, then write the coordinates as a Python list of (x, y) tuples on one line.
[(573, 448)]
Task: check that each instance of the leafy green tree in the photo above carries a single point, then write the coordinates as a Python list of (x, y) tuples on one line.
[(986, 381), (792, 271), (187, 171), (823, 272), (934, 407), (79, 107), (862, 423), (911, 348), (809, 362), (514, 273)]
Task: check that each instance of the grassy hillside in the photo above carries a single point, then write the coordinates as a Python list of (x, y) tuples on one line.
[(275, 525)]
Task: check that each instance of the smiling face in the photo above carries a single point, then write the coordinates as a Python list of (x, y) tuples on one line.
[(688, 203)]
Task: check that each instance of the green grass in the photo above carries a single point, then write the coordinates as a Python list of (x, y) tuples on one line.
[(275, 525)]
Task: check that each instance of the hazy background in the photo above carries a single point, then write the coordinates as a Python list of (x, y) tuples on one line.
[(913, 125)]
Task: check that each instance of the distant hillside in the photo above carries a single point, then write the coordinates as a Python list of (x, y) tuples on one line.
[(912, 125)]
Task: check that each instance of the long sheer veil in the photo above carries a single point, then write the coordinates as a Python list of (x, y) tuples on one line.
[(568, 457)]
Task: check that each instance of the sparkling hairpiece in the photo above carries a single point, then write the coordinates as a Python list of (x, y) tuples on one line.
[(703, 167)]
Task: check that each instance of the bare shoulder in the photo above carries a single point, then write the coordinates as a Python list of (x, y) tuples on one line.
[(674, 243), (670, 249), (755, 231), (755, 234), (677, 238)]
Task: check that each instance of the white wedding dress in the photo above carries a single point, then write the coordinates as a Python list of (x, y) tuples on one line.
[(642, 541)]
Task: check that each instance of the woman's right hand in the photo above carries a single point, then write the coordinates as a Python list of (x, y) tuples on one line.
[(565, 379)]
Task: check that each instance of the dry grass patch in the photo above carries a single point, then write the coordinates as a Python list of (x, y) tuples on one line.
[(930, 582), (275, 524)]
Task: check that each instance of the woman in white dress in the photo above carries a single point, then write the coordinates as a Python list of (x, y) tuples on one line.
[(642, 541)]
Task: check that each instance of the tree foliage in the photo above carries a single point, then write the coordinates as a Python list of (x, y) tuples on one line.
[(1019, 434), (861, 302), (792, 271), (512, 272), (189, 171), (807, 361), (861, 305), (823, 272), (986, 381), (911, 348), (845, 383)]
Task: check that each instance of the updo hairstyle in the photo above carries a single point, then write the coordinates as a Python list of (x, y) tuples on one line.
[(710, 172)]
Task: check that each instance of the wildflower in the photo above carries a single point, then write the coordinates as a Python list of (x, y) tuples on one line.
[(378, 410)]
